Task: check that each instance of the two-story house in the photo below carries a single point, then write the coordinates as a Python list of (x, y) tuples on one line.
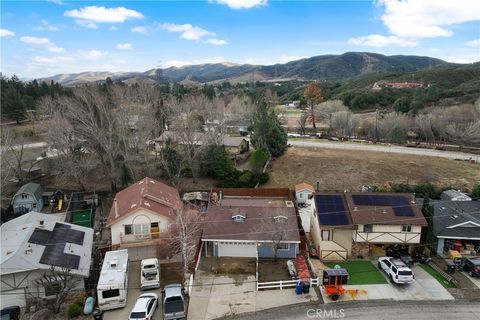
[(28, 198), (140, 216), (384, 219)]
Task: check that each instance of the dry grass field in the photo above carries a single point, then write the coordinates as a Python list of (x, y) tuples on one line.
[(343, 169)]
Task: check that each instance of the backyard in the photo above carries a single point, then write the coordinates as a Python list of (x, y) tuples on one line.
[(360, 272), (343, 169)]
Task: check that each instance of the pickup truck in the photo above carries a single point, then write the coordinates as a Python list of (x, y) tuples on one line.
[(396, 270), (173, 303), (150, 274)]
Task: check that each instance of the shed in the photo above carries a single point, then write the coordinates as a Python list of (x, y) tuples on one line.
[(28, 198)]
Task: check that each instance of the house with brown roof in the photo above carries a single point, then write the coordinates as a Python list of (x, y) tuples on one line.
[(141, 214), (384, 219), (251, 223), (251, 232)]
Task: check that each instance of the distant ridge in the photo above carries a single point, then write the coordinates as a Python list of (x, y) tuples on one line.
[(324, 67)]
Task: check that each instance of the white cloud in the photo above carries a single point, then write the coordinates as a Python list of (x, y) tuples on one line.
[(52, 60), (121, 61), (45, 26), (113, 28), (59, 2), (409, 21), (44, 43), (241, 4), (187, 31), (91, 15), (180, 63), (426, 18), (377, 40), (473, 43), (140, 29), (124, 46), (91, 54), (6, 33), (216, 42)]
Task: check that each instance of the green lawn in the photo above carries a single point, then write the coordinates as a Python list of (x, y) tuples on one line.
[(361, 272), (444, 282)]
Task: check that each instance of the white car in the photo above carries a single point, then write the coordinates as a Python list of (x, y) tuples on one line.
[(396, 270), (150, 274), (144, 307)]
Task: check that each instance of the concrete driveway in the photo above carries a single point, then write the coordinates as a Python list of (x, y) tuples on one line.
[(425, 287), (214, 296), (475, 280), (133, 293)]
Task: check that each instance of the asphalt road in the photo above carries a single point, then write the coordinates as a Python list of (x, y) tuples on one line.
[(312, 143), (401, 310)]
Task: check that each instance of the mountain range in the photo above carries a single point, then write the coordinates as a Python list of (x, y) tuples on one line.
[(324, 67)]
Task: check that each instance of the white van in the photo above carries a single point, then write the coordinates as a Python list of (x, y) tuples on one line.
[(150, 274), (112, 287)]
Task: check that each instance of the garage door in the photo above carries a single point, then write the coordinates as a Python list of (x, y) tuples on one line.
[(237, 249), (140, 253)]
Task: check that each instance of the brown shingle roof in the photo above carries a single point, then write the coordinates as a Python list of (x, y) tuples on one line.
[(148, 194), (369, 214), (219, 225)]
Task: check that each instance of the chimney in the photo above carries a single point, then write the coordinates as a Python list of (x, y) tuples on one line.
[(317, 189), (116, 208)]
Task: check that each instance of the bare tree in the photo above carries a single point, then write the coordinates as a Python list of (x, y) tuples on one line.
[(276, 230), (302, 122), (185, 232), (344, 122), (61, 283)]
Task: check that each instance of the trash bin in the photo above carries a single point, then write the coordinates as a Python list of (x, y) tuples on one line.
[(299, 287), (306, 287), (450, 268), (97, 314)]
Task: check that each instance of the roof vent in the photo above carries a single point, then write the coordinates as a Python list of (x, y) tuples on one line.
[(280, 219), (355, 208), (454, 216), (41, 224), (384, 211), (289, 204), (239, 218), (113, 263)]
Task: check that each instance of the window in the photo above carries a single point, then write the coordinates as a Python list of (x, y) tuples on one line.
[(326, 235), (387, 263), (406, 228), (52, 289), (24, 196), (34, 205), (367, 228), (300, 195), (110, 293), (283, 246), (141, 228), (128, 229)]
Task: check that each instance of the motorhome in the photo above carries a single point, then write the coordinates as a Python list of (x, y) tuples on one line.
[(150, 274), (113, 282)]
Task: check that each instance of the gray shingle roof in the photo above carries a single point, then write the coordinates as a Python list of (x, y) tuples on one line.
[(464, 214), (31, 188)]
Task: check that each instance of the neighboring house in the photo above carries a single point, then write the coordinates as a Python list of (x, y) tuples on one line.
[(247, 222), (303, 191), (251, 232), (456, 224), (236, 145), (331, 226), (31, 245), (454, 195), (28, 198), (140, 215), (383, 219)]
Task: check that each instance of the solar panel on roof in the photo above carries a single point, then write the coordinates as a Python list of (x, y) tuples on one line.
[(39, 236), (331, 210), (400, 204)]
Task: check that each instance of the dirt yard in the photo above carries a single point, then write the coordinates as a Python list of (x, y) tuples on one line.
[(343, 169), (271, 270)]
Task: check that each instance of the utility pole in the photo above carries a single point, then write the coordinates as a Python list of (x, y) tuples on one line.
[(376, 125)]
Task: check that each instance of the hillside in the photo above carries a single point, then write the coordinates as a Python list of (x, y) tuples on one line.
[(325, 67)]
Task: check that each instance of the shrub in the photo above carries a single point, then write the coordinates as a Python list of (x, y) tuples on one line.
[(74, 310)]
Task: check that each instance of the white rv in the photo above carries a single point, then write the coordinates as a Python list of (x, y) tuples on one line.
[(113, 282)]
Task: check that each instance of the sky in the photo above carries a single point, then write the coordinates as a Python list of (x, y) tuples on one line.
[(42, 38)]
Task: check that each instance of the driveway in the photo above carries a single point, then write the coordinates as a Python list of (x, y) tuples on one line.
[(383, 148), (133, 293), (215, 296), (475, 280), (425, 287)]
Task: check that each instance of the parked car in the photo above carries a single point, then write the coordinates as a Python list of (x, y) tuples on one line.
[(144, 307), (472, 267), (173, 303), (420, 257), (408, 260), (396, 270), (150, 274)]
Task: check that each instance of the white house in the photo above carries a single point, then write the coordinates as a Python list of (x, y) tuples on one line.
[(34, 243), (303, 191), (28, 198), (140, 216), (454, 195), (303, 195)]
